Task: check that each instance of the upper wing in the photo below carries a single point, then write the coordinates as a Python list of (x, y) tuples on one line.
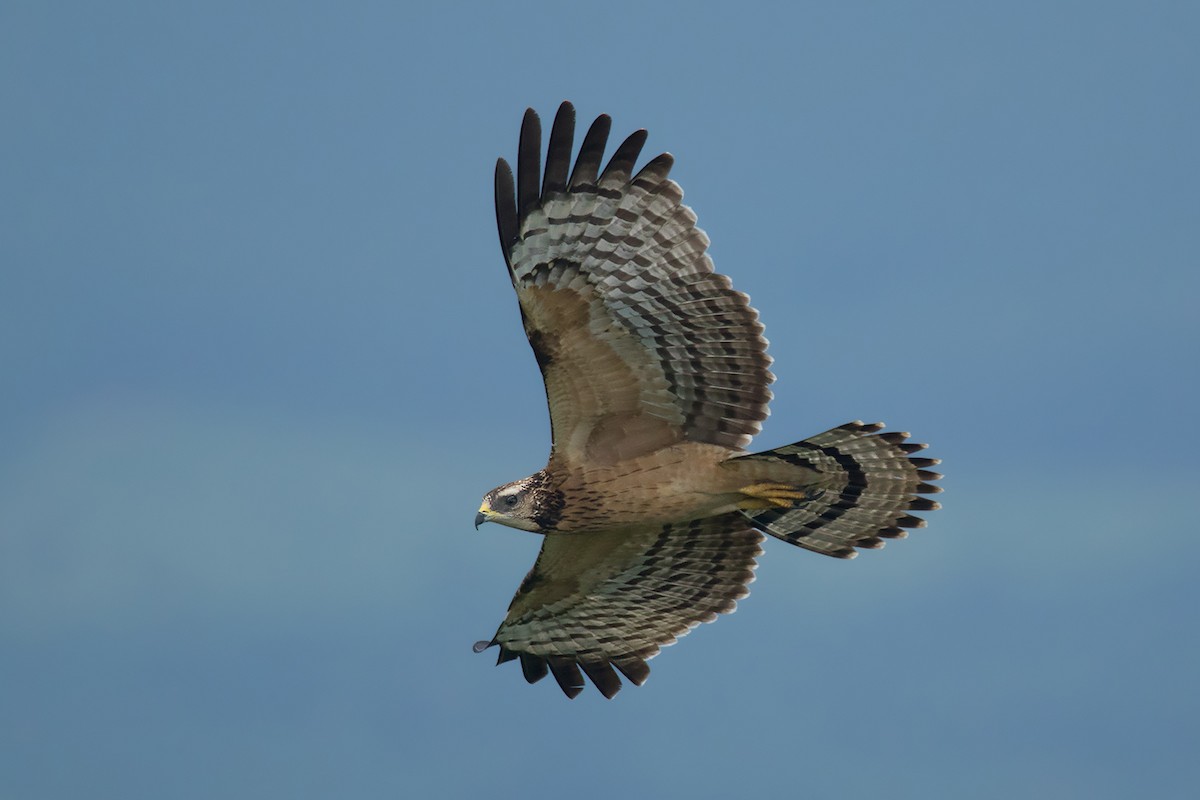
[(640, 343), (601, 600)]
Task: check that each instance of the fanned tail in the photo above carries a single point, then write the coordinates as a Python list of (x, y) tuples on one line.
[(868, 484)]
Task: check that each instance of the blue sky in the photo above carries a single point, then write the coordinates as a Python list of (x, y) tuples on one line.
[(260, 360)]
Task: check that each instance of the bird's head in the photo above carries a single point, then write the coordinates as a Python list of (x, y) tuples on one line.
[(530, 504)]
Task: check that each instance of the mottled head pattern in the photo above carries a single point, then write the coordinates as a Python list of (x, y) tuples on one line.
[(531, 504)]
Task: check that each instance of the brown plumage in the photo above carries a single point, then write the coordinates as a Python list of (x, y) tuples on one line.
[(656, 375)]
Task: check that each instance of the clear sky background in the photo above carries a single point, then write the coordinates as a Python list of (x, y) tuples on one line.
[(259, 361)]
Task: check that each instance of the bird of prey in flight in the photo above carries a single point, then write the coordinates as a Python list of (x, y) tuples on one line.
[(651, 510)]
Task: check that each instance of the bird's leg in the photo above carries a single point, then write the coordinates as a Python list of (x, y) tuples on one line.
[(772, 495)]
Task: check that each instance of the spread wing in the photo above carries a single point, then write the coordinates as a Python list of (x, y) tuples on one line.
[(597, 601), (640, 343)]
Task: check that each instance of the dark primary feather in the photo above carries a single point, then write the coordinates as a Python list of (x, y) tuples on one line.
[(529, 164), (591, 152), (558, 156), (532, 667), (656, 170), (506, 211), (602, 676), (566, 672), (620, 166)]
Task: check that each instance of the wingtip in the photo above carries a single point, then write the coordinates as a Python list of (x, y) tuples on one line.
[(503, 169)]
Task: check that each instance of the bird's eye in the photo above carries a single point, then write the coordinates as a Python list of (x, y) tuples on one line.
[(510, 501)]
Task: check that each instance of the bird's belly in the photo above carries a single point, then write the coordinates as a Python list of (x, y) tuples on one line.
[(677, 483)]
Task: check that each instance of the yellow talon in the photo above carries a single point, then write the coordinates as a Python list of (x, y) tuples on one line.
[(765, 495)]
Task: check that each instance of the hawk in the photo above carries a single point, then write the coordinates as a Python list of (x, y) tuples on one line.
[(650, 509)]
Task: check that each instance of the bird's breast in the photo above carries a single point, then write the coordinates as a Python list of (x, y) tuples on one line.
[(680, 482)]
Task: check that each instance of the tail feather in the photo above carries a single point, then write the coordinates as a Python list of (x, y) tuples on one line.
[(868, 483)]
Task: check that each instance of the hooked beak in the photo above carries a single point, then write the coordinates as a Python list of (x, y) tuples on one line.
[(482, 516)]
